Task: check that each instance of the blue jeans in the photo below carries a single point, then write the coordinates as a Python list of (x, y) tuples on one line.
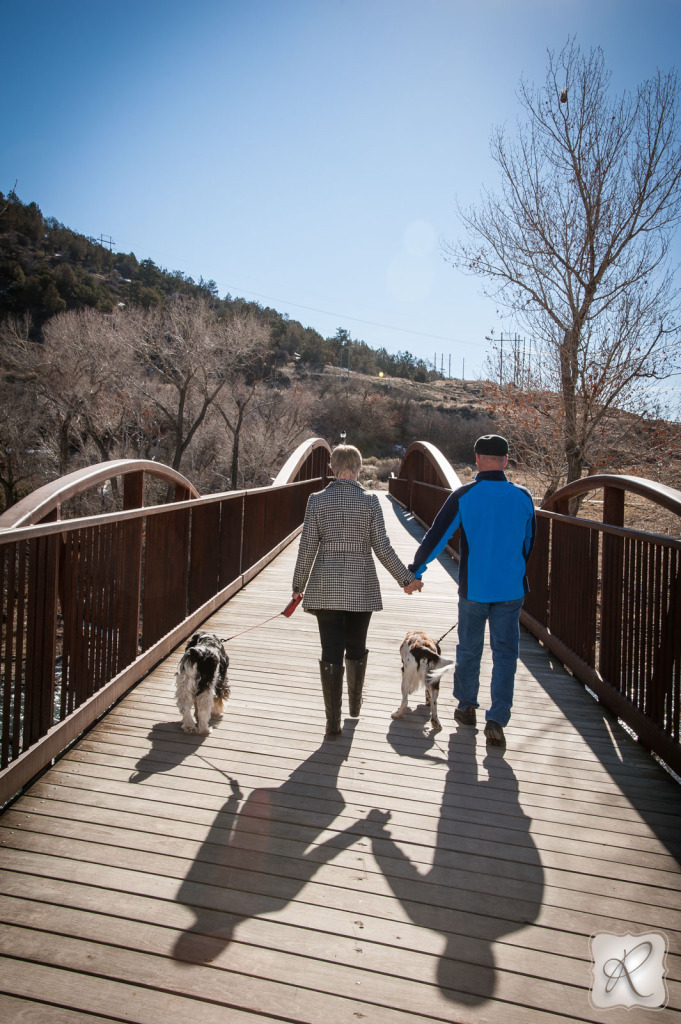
[(504, 633)]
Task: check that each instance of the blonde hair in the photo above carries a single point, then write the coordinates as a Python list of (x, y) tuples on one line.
[(346, 458)]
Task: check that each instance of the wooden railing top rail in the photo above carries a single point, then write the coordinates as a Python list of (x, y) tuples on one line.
[(48, 498), (661, 494), (28, 515), (67, 525), (610, 529)]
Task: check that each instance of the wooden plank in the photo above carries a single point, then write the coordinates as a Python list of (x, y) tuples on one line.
[(512, 880), (417, 831), (460, 882), (328, 975), (108, 810), (148, 834), (129, 1002), (167, 748), (26, 1011), (477, 825), (337, 930), (320, 992), (167, 745), (225, 913), (478, 802)]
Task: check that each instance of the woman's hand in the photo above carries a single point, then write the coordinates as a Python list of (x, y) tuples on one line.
[(414, 587)]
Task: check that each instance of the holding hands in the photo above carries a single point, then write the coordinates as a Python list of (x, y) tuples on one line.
[(414, 587), (380, 818)]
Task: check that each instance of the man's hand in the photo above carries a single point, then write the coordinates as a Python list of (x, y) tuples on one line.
[(414, 587)]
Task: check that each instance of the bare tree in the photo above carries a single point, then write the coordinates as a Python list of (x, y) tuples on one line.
[(278, 422), (20, 435), (188, 358), (246, 377), (576, 245), (83, 367), (72, 377)]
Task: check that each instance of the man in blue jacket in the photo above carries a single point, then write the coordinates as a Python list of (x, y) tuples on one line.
[(497, 524)]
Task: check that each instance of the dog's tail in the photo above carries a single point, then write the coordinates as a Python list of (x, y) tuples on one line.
[(435, 671)]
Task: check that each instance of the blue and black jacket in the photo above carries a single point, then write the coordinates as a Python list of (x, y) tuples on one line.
[(497, 523)]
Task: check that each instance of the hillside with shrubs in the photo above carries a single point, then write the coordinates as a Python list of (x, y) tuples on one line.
[(105, 356)]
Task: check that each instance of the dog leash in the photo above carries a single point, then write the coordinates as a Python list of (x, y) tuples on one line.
[(288, 611), (448, 631)]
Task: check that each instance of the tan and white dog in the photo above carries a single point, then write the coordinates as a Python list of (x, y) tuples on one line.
[(421, 666)]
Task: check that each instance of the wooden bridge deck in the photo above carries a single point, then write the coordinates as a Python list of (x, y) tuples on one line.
[(253, 875)]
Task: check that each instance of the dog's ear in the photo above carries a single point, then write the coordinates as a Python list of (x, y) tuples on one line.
[(438, 668)]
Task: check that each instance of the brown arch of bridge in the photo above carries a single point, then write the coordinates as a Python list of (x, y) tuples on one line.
[(309, 460), (615, 488), (43, 504), (424, 462)]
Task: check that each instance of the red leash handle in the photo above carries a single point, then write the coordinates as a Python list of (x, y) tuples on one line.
[(292, 605)]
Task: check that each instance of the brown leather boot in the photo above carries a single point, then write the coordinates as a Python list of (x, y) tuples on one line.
[(356, 670), (332, 688)]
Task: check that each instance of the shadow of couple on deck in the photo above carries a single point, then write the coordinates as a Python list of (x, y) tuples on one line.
[(260, 853), (484, 881)]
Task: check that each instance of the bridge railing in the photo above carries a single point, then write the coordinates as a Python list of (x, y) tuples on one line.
[(424, 481), (604, 599), (89, 605)]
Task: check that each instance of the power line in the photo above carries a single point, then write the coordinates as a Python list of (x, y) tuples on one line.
[(355, 319), (241, 292)]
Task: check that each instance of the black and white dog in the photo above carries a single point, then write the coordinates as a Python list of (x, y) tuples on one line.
[(421, 666), (201, 686)]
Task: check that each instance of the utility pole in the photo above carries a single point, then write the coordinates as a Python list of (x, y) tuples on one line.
[(106, 240), (341, 359)]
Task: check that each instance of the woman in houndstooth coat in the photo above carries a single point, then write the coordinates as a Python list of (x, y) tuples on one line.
[(336, 572)]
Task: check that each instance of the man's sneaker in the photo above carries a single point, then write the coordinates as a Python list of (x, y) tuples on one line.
[(465, 717), (495, 734)]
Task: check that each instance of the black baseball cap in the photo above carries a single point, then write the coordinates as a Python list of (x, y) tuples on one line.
[(491, 444)]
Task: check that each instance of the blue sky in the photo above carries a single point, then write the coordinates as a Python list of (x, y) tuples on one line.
[(308, 154)]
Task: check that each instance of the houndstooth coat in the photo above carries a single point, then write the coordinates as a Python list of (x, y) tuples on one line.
[(343, 523)]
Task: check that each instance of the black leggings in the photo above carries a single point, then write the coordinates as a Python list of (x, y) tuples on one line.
[(343, 633)]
